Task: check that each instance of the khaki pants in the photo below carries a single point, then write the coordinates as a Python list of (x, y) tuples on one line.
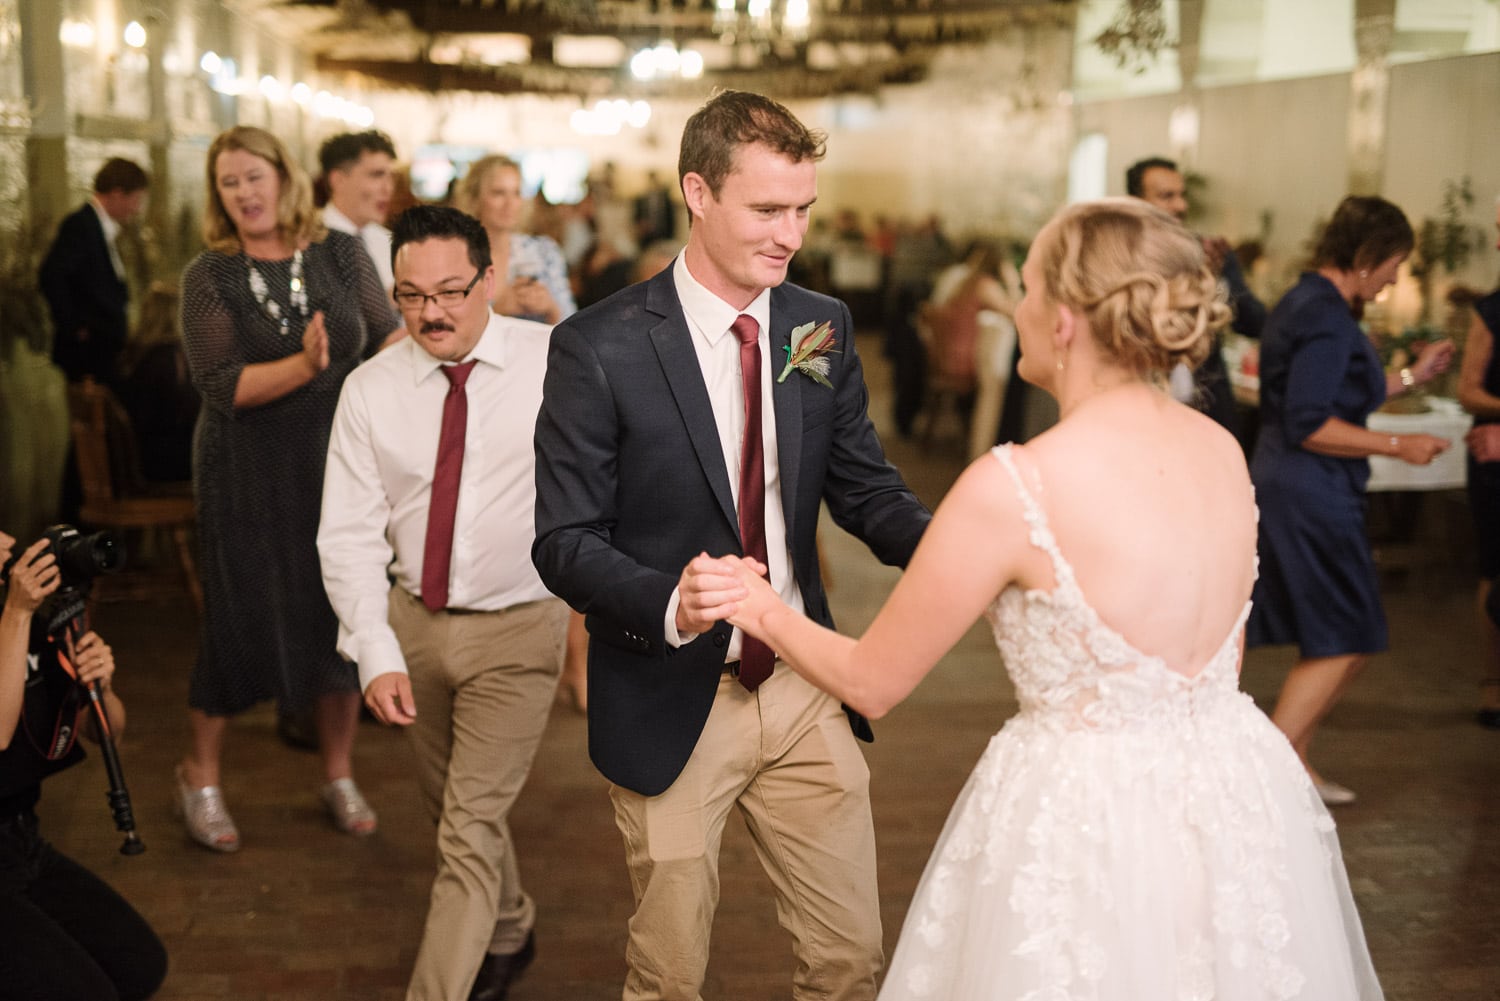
[(483, 683), (785, 758)]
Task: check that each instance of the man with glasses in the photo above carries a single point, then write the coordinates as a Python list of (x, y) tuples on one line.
[(431, 479)]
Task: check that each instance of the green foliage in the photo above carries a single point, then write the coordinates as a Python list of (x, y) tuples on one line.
[(1448, 241)]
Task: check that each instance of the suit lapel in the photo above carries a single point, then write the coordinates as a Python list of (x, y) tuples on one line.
[(679, 362), (786, 399)]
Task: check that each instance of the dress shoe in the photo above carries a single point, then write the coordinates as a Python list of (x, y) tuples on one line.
[(1333, 794), (207, 818), (499, 969), (350, 813)]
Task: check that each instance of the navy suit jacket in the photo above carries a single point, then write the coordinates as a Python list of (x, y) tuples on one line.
[(632, 484), (87, 299)]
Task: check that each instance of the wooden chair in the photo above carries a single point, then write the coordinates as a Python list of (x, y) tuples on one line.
[(115, 494)]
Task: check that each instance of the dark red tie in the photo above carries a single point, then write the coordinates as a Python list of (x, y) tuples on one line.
[(437, 554), (755, 657)]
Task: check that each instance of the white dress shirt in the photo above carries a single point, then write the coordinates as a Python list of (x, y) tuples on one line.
[(378, 485), (709, 319), (377, 241), (111, 233)]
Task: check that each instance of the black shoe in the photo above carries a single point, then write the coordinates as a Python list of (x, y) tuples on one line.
[(498, 970), (1488, 718)]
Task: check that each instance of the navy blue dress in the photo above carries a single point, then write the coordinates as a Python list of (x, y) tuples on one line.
[(1484, 477), (1317, 585)]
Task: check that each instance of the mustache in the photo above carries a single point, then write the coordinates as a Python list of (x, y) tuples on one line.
[(436, 326)]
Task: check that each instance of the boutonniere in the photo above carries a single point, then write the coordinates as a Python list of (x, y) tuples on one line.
[(808, 350)]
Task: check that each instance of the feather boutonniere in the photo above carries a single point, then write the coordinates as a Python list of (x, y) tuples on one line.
[(810, 344)]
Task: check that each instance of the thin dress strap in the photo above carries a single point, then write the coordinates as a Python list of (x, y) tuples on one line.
[(1041, 533)]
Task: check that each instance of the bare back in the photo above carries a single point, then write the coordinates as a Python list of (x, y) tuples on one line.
[(1151, 505)]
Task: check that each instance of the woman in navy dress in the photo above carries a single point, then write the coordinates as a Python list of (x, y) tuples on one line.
[(1320, 379), (1479, 392)]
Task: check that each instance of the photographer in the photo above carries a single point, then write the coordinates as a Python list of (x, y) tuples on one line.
[(66, 934)]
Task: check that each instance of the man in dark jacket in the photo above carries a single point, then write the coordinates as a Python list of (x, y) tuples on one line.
[(83, 278)]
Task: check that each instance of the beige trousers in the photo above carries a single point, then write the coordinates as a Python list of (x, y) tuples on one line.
[(784, 757), (483, 683)]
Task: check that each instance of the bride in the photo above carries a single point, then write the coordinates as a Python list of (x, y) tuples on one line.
[(1140, 831)]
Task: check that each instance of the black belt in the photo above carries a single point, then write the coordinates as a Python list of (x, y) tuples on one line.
[(732, 668)]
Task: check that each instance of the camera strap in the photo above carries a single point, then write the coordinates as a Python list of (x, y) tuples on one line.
[(65, 724)]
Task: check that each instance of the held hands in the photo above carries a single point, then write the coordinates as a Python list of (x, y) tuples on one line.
[(707, 592), (33, 578), (759, 601), (1420, 449), (1484, 443), (1215, 249), (389, 698), (315, 343)]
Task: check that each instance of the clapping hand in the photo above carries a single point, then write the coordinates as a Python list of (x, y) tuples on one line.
[(315, 343)]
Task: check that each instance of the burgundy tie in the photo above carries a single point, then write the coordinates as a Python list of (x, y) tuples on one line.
[(755, 657), (437, 553)]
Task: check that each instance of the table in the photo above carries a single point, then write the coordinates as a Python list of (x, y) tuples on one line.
[(1449, 471)]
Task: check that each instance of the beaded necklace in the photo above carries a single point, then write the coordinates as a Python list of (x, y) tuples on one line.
[(297, 293)]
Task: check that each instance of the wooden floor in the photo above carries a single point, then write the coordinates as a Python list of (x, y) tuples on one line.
[(304, 913)]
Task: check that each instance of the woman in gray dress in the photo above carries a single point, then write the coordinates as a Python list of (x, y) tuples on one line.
[(275, 313)]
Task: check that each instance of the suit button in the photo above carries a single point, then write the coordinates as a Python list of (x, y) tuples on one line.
[(721, 640)]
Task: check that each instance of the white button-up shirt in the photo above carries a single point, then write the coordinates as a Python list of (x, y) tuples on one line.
[(709, 319), (376, 238), (378, 485)]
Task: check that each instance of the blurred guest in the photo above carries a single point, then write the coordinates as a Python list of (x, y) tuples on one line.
[(156, 389), (276, 312), (1320, 379), (68, 935), (359, 168), (83, 278), (533, 276), (1159, 182), (655, 213), (921, 252), (602, 272), (954, 317), (1479, 392)]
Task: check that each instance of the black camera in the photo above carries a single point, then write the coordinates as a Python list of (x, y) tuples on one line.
[(80, 558)]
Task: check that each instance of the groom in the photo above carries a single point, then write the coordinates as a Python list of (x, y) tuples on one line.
[(672, 434)]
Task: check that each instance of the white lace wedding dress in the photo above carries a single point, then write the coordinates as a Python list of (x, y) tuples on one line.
[(1132, 835)]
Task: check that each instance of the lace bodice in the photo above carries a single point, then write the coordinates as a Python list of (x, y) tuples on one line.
[(1072, 671)]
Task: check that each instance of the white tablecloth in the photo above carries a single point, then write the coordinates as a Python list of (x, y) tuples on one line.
[(1448, 471)]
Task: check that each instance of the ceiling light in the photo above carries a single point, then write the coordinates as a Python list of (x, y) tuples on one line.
[(210, 63), (135, 35)]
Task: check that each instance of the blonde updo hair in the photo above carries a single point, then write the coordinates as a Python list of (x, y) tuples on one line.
[(1139, 278)]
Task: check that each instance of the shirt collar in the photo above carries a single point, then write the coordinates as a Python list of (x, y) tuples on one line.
[(707, 314), (333, 218), (106, 221), (490, 350)]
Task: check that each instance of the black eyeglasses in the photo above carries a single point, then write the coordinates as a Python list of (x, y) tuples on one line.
[(414, 302)]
